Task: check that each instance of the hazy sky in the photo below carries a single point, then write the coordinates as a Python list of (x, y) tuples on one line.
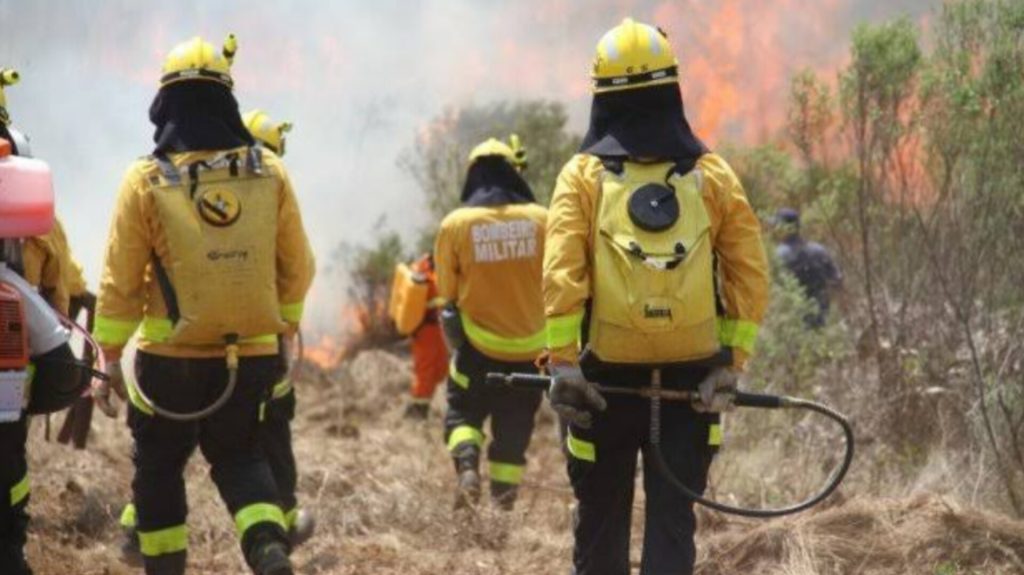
[(359, 78)]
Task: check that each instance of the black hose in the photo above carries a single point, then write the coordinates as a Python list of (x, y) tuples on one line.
[(743, 399), (658, 457)]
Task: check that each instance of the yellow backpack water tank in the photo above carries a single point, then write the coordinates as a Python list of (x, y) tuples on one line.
[(408, 303), (221, 228), (654, 292)]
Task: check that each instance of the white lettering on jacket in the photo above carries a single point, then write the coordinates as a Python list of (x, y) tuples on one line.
[(502, 241)]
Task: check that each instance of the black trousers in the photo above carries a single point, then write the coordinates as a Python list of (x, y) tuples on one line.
[(602, 465), (276, 441), (14, 497), (228, 439), (511, 411)]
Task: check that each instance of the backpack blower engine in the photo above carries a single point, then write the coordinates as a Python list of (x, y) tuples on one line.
[(656, 394)]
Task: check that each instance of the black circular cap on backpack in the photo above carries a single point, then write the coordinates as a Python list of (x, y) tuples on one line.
[(654, 208)]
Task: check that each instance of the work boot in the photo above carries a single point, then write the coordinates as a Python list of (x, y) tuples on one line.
[(173, 564), (417, 411), (302, 529), (504, 495), (271, 559), (467, 467)]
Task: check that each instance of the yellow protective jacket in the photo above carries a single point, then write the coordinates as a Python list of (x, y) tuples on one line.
[(74, 276), (45, 270), (488, 262), (568, 259), (130, 295)]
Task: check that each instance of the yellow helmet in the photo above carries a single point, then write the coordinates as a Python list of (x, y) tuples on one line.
[(266, 131), (197, 59), (633, 55), (514, 154), (8, 77)]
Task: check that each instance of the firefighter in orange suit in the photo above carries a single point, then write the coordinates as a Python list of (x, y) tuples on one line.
[(654, 267), (429, 354), (489, 254)]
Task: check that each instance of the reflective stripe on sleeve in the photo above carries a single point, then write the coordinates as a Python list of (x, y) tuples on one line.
[(113, 332), (737, 333), (292, 312), (563, 331)]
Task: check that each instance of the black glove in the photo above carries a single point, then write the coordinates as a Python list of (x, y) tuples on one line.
[(572, 396), (451, 326)]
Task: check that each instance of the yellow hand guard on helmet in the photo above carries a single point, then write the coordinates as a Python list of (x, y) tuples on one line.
[(269, 133), (8, 77), (197, 59), (633, 55)]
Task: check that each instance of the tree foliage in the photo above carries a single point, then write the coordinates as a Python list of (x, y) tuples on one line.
[(438, 157), (911, 169)]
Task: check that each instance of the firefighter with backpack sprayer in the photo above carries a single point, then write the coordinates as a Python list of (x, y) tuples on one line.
[(38, 371), (208, 255), (655, 270)]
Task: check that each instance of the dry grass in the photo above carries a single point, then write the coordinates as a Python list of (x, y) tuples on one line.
[(381, 486)]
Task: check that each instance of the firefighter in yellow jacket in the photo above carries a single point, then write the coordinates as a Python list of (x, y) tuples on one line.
[(488, 258), (653, 265), (208, 257)]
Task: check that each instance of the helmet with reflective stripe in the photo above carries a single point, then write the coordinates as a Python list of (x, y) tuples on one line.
[(266, 131), (633, 55), (8, 77), (514, 154), (197, 59)]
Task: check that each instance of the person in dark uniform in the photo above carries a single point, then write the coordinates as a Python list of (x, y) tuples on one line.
[(809, 262)]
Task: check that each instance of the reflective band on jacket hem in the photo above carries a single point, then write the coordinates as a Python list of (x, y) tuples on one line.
[(129, 518), (492, 341), (292, 312), (108, 331), (563, 331), (20, 491), (160, 329), (290, 518), (715, 434), (258, 513), (460, 379), (582, 450), (465, 434), (507, 473), (164, 542), (737, 333)]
